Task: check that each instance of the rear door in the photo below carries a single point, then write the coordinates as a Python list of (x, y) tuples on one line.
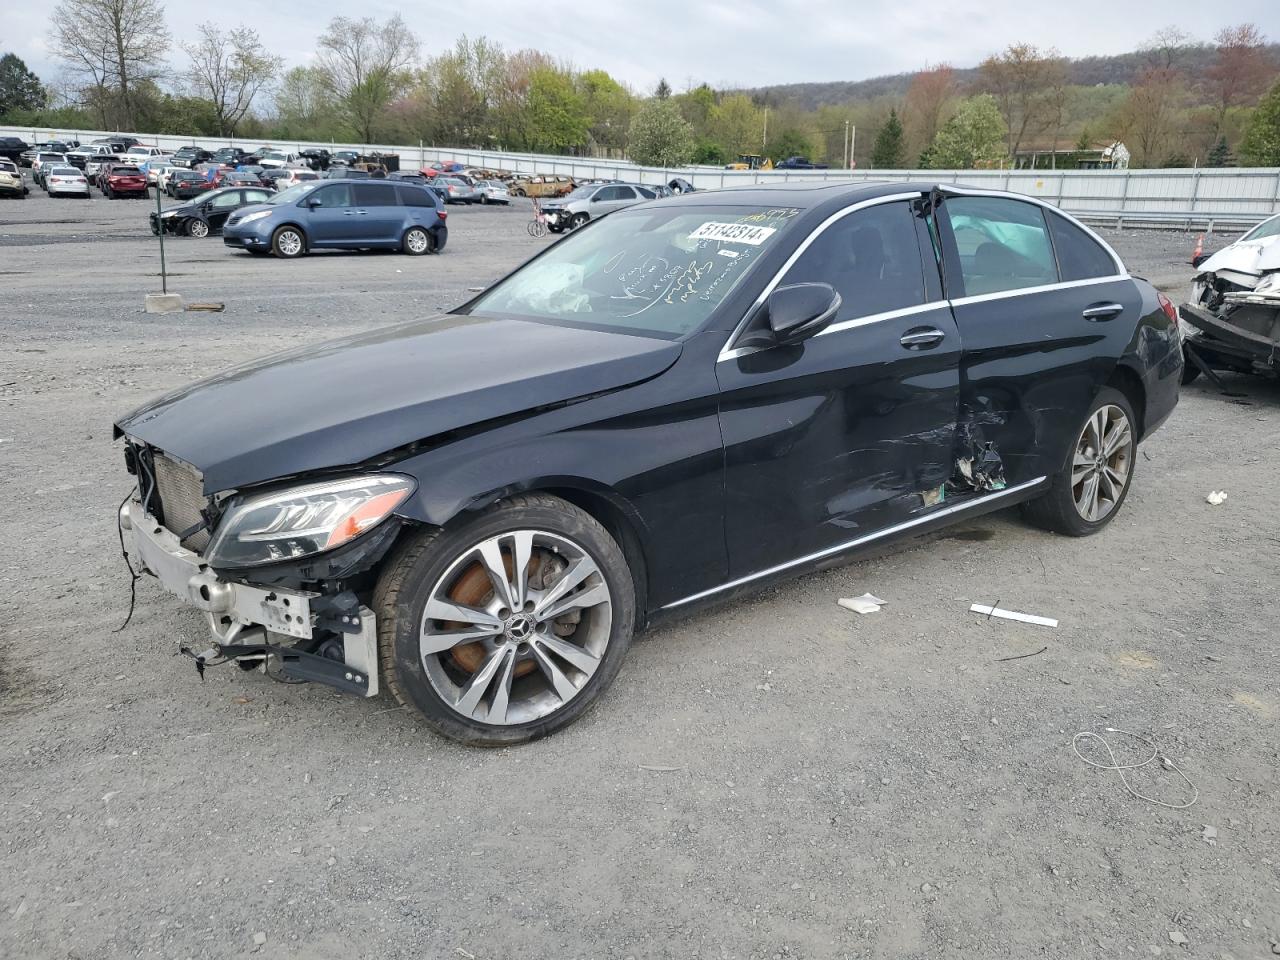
[(378, 211), (1043, 310), (852, 430)]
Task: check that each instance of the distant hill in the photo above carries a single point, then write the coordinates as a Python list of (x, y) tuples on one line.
[(1086, 71)]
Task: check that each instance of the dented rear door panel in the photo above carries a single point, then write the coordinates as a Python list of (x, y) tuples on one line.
[(1032, 364)]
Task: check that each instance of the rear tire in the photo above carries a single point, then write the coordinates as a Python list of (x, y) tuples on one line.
[(532, 694), (288, 243), (1087, 493), (416, 242)]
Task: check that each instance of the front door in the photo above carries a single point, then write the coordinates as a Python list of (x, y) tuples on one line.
[(222, 206), (850, 431), (1033, 294)]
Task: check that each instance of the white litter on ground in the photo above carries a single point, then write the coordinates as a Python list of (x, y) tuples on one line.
[(867, 603), (1216, 496), (987, 611)]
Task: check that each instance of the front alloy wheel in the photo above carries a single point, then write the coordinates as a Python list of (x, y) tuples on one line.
[(508, 627), (287, 243), (198, 228)]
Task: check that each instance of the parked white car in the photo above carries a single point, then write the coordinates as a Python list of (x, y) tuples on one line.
[(64, 180), (44, 160), (276, 158), (140, 152), (295, 177), (154, 167)]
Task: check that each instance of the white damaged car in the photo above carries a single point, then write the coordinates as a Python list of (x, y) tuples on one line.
[(1233, 318)]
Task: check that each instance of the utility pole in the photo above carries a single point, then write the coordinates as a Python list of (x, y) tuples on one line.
[(845, 143), (853, 139), (765, 139)]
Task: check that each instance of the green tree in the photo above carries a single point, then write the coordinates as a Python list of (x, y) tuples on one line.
[(660, 136), (790, 143), (1220, 155), (609, 107), (556, 112), (696, 106), (972, 138), (709, 152), (366, 66), (20, 89), (663, 90), (888, 152), (737, 124), (1261, 145)]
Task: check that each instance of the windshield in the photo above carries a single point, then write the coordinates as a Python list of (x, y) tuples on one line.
[(659, 270), (580, 193), (1267, 228), (293, 194)]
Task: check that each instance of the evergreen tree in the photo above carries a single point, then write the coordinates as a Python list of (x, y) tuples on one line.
[(663, 90), (1261, 146), (20, 89), (1220, 155), (887, 153)]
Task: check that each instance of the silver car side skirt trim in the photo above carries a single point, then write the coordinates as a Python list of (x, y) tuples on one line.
[(860, 541)]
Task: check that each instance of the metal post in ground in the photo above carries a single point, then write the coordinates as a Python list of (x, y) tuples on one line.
[(164, 273)]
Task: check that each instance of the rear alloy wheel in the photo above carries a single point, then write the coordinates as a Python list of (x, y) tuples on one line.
[(287, 243), (507, 627), (197, 228), (416, 242), (1088, 491)]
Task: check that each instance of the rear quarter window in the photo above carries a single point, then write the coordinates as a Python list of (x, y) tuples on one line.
[(1080, 257)]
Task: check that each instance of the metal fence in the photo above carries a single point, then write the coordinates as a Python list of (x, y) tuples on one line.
[(1202, 197)]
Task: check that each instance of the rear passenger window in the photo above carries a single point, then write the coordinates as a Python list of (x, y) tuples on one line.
[(415, 197), (376, 195), (1080, 257), (1003, 244), (871, 257)]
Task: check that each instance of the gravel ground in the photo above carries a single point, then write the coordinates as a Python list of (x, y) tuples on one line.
[(774, 779)]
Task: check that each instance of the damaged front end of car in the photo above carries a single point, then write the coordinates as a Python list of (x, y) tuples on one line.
[(283, 575), (1234, 313)]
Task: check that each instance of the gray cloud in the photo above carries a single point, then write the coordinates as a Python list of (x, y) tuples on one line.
[(722, 42)]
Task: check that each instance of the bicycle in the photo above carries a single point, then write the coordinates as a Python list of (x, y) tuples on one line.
[(538, 225)]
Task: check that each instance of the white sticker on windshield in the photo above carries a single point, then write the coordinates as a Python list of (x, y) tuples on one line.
[(733, 233)]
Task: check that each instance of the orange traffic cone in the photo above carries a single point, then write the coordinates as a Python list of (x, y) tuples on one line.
[(1195, 254)]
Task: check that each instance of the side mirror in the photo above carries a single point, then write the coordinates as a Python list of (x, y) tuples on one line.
[(800, 310), (313, 202)]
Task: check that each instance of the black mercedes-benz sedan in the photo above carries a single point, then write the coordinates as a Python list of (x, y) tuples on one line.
[(685, 400)]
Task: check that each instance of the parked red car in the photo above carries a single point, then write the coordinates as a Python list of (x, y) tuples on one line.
[(122, 181)]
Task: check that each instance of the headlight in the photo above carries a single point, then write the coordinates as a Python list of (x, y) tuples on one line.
[(249, 218), (302, 521), (169, 213)]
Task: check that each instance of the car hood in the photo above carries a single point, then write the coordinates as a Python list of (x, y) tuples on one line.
[(346, 401), (1245, 256)]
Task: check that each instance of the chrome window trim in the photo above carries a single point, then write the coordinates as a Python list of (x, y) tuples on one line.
[(1042, 288), (859, 541), (728, 353), (732, 353)]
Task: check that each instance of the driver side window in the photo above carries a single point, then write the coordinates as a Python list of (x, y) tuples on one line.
[(871, 257), (338, 195)]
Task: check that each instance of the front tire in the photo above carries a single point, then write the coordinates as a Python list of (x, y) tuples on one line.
[(1087, 493), (197, 228), (579, 220), (505, 627), (288, 243)]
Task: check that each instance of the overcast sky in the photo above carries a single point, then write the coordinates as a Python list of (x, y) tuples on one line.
[(722, 42)]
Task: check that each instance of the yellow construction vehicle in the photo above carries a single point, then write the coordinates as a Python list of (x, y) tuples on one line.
[(750, 161)]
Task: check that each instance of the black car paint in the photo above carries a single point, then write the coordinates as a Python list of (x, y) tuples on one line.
[(709, 470), (205, 210)]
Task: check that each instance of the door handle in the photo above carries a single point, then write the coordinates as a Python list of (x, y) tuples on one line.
[(348, 213), (922, 338), (1102, 311)]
